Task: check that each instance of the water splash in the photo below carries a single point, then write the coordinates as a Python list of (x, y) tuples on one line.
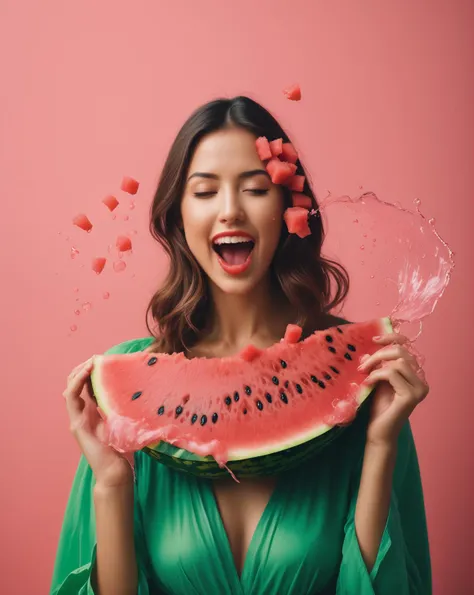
[(120, 266), (106, 295)]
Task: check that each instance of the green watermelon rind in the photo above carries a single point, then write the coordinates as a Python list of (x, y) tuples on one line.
[(255, 461)]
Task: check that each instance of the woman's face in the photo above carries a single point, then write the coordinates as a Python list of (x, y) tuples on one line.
[(229, 192)]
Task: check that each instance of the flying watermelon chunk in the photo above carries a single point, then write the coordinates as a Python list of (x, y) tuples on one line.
[(296, 183), (263, 148), (83, 222), (296, 219), (98, 264), (276, 147), (288, 153), (280, 171), (129, 185), (301, 200), (293, 92), (123, 243), (111, 202), (259, 415)]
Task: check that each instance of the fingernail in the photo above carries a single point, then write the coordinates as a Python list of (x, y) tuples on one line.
[(376, 338)]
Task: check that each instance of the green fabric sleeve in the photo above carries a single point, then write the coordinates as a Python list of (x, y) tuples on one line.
[(402, 566), (75, 557)]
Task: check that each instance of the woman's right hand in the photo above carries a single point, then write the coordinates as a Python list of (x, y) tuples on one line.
[(110, 469)]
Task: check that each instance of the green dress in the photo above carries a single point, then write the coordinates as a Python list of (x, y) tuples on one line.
[(304, 544)]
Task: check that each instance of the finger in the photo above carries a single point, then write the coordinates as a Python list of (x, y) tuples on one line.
[(74, 389), (75, 370), (389, 338), (401, 376), (392, 352)]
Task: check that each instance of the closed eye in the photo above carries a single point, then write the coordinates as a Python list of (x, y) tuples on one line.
[(258, 191), (202, 194)]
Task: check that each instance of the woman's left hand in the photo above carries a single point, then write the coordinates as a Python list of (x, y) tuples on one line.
[(400, 390)]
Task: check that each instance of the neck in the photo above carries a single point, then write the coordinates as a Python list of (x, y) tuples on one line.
[(237, 319)]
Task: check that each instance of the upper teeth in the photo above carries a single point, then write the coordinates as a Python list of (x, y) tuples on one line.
[(232, 239)]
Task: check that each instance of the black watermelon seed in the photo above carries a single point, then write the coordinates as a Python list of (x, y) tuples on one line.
[(203, 420), (236, 396), (314, 379), (161, 410), (332, 350), (259, 405), (248, 390), (194, 419), (351, 347), (245, 411), (335, 370), (327, 376), (228, 400), (283, 363), (298, 388), (152, 361), (275, 380), (283, 397), (339, 330), (268, 396), (348, 356), (329, 339), (136, 395), (215, 417), (287, 384), (321, 384), (178, 410)]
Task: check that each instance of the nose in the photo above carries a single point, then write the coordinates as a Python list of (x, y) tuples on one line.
[(230, 208)]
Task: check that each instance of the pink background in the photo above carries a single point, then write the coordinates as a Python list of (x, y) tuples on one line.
[(94, 90)]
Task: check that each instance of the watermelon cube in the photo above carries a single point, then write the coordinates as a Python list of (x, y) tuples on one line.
[(110, 202), (280, 171), (296, 219), (301, 200), (98, 264), (123, 243), (263, 148), (288, 153), (250, 353), (129, 185), (83, 222), (293, 92), (296, 183), (276, 147)]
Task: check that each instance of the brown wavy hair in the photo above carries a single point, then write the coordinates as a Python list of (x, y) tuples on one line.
[(312, 284)]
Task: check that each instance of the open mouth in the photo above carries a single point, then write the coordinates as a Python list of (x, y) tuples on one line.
[(234, 253)]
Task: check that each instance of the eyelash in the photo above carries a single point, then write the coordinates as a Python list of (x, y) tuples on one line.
[(256, 191)]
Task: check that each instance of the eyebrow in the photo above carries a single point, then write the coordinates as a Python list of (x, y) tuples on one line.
[(242, 176)]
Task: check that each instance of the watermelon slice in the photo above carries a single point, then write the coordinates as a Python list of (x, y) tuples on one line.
[(257, 412), (296, 183), (296, 219), (293, 92), (301, 200), (98, 264), (129, 185), (280, 171), (83, 222), (276, 147), (263, 148), (123, 243), (111, 202), (288, 153)]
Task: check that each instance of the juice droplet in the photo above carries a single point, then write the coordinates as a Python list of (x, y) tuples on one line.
[(77, 312), (106, 295), (109, 248), (377, 303), (372, 276), (365, 235), (417, 202), (135, 231), (73, 327), (132, 206), (76, 289), (133, 276), (89, 230), (74, 252), (356, 221), (362, 262), (432, 221), (120, 266), (120, 255), (374, 240), (86, 306), (67, 238), (114, 217), (126, 218), (362, 247)]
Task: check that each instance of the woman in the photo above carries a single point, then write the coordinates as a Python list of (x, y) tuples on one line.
[(352, 522)]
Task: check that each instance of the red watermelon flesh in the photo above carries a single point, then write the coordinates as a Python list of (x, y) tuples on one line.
[(280, 171), (276, 147), (288, 153), (237, 407), (296, 183), (123, 243), (263, 148), (129, 185), (98, 264), (293, 92), (296, 219), (111, 202), (301, 200), (83, 222)]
